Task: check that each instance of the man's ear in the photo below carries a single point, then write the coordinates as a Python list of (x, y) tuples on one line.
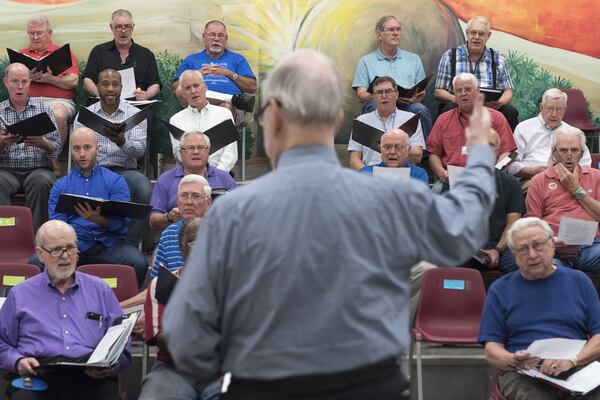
[(39, 252)]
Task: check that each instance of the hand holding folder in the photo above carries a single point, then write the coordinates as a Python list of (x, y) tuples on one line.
[(106, 127), (38, 125), (68, 203), (58, 61)]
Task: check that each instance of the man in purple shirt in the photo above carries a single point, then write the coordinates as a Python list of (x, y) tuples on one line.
[(194, 150), (59, 314)]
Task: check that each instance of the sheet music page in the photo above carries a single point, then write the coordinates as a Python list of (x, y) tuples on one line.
[(556, 348), (575, 231), (453, 174), (392, 173), (128, 82)]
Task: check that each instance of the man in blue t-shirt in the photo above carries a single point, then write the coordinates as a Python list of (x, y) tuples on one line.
[(538, 301), (395, 146), (226, 73)]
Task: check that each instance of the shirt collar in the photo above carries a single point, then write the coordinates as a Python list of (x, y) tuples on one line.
[(307, 154), (543, 123), (51, 47), (381, 57), (201, 111), (49, 283), (550, 173), (179, 171), (95, 171), (113, 46), (120, 108)]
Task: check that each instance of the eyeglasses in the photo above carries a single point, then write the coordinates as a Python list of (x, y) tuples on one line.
[(392, 30), (573, 150), (552, 110), (397, 147), (123, 28), (261, 111), (480, 34), (537, 246), (57, 253), (387, 92), (195, 197), (194, 148), (213, 35), (37, 33)]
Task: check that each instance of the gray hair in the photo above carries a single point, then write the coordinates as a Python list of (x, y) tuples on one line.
[(51, 226), (39, 19), (381, 22), (215, 22), (524, 223), (565, 130), (307, 87), (121, 12), (186, 134), (191, 72), (554, 93), (481, 20), (465, 77), (194, 178)]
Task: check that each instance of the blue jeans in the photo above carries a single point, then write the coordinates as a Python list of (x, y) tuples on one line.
[(141, 190), (164, 382), (424, 117), (588, 260)]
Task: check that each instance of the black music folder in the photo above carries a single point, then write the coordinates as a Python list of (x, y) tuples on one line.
[(371, 137), (404, 92), (97, 123), (491, 94), (110, 208), (58, 61), (220, 135), (166, 281), (38, 125)]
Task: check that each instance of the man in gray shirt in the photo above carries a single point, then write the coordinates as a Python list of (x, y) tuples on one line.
[(300, 282)]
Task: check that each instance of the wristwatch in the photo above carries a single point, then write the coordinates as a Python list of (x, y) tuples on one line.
[(579, 193), (235, 76)]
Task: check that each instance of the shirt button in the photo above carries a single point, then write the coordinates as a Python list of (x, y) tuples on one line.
[(66, 332), (64, 298), (64, 315), (67, 347)]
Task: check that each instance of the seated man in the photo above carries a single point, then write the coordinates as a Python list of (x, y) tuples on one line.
[(403, 66), (447, 144), (384, 117), (58, 91), (488, 66), (102, 240), (566, 189), (194, 154), (395, 147), (200, 115), (120, 150), (193, 199), (534, 137), (55, 315), (226, 73), (539, 301), (25, 163)]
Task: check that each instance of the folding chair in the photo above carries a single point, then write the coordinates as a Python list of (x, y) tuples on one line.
[(595, 160), (13, 273), (449, 311), (16, 234), (123, 282), (577, 116)]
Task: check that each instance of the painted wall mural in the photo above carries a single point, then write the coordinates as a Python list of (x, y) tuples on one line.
[(548, 43)]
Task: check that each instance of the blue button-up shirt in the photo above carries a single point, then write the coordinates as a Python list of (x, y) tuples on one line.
[(102, 183)]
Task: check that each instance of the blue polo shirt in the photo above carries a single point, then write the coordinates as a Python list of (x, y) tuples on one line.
[(415, 172), (405, 67)]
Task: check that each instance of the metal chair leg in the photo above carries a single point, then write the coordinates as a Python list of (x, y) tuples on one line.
[(419, 371)]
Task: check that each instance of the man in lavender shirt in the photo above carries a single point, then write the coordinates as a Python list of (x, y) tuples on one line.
[(59, 314), (194, 150)]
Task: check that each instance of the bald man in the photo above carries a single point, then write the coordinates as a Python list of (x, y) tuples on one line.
[(101, 239)]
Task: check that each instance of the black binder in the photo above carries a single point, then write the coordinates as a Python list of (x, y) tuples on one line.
[(219, 135), (97, 123), (109, 208), (38, 125), (371, 137), (58, 61)]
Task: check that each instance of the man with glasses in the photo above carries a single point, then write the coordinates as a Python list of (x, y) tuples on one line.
[(534, 137), (101, 239), (227, 74), (59, 314), (194, 149), (384, 117), (25, 161), (567, 189), (123, 53), (58, 91), (403, 66), (488, 65), (200, 115), (540, 300)]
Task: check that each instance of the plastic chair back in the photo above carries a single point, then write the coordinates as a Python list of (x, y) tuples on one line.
[(16, 234), (577, 114), (120, 278), (595, 160), (14, 273)]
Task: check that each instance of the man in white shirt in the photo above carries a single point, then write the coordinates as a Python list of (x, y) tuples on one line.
[(534, 137), (200, 115)]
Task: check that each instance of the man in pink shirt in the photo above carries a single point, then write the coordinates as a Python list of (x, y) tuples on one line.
[(567, 189), (446, 142)]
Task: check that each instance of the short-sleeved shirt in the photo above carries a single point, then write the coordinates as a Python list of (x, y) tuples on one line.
[(405, 68), (37, 89), (106, 55), (481, 69), (168, 253), (509, 199), (416, 172), (447, 137), (218, 83)]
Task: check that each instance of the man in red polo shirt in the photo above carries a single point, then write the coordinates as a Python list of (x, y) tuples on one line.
[(57, 91), (446, 142)]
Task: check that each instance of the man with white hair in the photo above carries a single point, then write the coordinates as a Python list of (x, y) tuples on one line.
[(277, 289), (534, 137), (488, 65), (567, 189), (447, 143)]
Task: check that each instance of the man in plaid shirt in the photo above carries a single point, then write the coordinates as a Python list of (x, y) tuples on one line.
[(25, 162)]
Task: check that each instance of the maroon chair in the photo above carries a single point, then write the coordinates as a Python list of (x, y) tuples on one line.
[(120, 278), (14, 273), (449, 311), (595, 160), (577, 114), (16, 234)]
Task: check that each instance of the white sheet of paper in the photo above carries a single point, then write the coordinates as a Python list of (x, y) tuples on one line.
[(103, 348), (582, 381), (556, 348), (2, 299), (128, 82), (453, 174), (577, 231), (141, 102), (392, 172), (217, 95), (502, 163)]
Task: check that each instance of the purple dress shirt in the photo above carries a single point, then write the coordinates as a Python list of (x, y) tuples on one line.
[(164, 193), (38, 321)]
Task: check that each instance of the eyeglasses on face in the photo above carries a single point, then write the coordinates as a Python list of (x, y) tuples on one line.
[(480, 34), (537, 246), (123, 27), (397, 147), (393, 29), (57, 253), (213, 35), (194, 148), (387, 92), (195, 197)]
